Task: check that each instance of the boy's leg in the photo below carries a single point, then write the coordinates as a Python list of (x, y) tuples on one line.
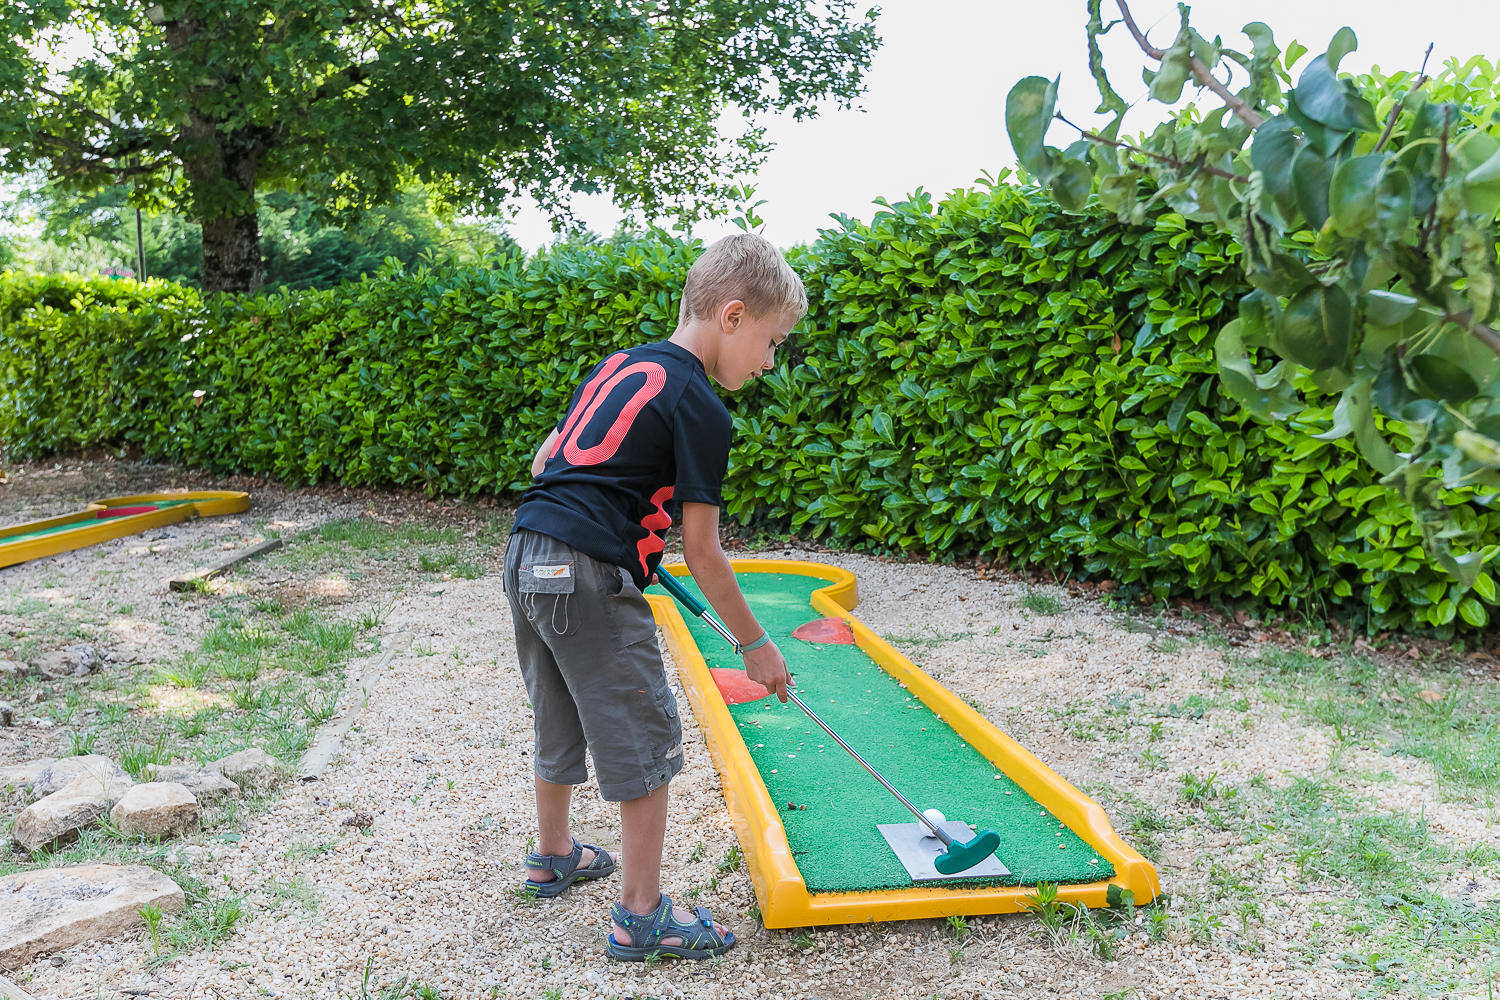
[(558, 750), (643, 831), (553, 834)]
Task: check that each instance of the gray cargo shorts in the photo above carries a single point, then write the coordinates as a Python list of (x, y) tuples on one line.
[(587, 643)]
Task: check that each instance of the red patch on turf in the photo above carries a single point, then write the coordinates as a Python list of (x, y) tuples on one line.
[(834, 630), (124, 511), (736, 687)]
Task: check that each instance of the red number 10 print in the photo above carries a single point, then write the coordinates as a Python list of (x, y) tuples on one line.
[(594, 395)]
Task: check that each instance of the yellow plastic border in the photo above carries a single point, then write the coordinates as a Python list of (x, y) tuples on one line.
[(784, 899), (207, 503)]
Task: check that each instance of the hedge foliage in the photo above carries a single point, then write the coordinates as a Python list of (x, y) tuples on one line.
[(986, 375)]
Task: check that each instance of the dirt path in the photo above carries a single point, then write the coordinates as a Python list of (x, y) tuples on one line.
[(1262, 860)]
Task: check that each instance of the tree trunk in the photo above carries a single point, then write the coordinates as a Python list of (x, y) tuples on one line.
[(231, 254), (221, 167)]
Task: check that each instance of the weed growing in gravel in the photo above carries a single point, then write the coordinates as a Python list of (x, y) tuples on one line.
[(81, 744), (697, 853), (523, 895), (435, 563), (732, 860), (133, 759), (468, 571), (1197, 791), (1041, 602)]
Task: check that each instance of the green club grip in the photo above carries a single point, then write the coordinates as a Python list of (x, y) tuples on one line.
[(670, 585)]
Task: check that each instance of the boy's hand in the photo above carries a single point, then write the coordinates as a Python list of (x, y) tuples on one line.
[(767, 667)]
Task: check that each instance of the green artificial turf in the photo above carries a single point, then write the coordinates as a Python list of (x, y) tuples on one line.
[(86, 522), (835, 840)]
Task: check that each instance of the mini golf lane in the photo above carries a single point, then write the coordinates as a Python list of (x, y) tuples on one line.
[(114, 517), (828, 807)]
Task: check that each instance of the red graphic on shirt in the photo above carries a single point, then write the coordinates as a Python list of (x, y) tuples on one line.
[(589, 391), (656, 377), (658, 519)]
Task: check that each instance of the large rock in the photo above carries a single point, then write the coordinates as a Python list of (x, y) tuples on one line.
[(254, 769), (50, 909), (58, 817), (22, 775), (77, 660), (62, 773), (155, 809), (10, 669), (210, 788)]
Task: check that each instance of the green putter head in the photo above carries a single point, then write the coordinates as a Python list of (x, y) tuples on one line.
[(960, 857)]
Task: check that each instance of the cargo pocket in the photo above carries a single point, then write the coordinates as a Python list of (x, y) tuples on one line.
[(630, 619), (546, 595)]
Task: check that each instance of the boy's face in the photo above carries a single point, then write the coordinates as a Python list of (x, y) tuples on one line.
[(748, 345)]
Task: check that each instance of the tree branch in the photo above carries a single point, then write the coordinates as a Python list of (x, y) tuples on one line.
[(1390, 121), (1487, 336), (1170, 161), (1243, 111)]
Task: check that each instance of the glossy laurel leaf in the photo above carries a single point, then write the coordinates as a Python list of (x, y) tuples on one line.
[(1315, 327)]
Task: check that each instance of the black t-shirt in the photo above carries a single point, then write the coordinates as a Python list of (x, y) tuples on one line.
[(644, 433)]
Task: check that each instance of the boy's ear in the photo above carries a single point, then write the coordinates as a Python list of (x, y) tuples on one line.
[(731, 315)]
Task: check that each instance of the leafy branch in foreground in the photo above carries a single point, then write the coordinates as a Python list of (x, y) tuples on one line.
[(1365, 227)]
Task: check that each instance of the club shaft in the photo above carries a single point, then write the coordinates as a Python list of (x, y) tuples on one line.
[(937, 831), (718, 626)]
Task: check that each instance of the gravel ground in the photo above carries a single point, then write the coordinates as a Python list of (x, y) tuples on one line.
[(440, 759)]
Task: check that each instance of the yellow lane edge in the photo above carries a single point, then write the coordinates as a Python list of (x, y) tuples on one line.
[(779, 886), (207, 503)]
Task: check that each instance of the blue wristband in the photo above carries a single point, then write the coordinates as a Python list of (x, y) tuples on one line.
[(765, 637)]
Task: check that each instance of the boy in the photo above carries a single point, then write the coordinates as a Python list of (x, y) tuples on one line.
[(644, 435)]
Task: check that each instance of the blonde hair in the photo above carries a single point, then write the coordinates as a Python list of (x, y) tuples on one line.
[(747, 267)]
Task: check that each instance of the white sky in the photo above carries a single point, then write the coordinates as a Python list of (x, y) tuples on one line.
[(934, 114)]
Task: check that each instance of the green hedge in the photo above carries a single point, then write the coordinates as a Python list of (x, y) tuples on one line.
[(984, 376)]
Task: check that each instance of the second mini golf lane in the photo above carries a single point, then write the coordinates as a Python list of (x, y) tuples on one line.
[(835, 840)]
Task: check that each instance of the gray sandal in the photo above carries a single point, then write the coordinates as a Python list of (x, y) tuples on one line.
[(565, 869), (699, 940)]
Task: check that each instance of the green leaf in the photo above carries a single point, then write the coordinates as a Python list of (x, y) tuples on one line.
[(1072, 185), (1375, 449), (1342, 44), (1314, 329), (1267, 398), (1028, 114), (1176, 66), (1438, 378), (1473, 612), (1311, 177), (1323, 97), (1484, 586), (1260, 312), (1385, 308), (1271, 153), (1391, 393), (1352, 193), (1281, 274), (1342, 424), (1482, 449), (1482, 188), (1296, 50)]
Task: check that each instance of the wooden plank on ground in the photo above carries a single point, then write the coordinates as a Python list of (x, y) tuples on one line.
[(10, 991), (192, 579)]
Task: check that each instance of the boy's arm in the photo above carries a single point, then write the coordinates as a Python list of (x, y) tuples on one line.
[(714, 576), (540, 461)]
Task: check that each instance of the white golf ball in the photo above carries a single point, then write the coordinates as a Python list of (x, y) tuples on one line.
[(934, 816)]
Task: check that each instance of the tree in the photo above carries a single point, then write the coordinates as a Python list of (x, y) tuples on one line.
[(198, 104), (1367, 232)]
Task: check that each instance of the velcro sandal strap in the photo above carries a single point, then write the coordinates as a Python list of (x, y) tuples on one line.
[(561, 865)]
